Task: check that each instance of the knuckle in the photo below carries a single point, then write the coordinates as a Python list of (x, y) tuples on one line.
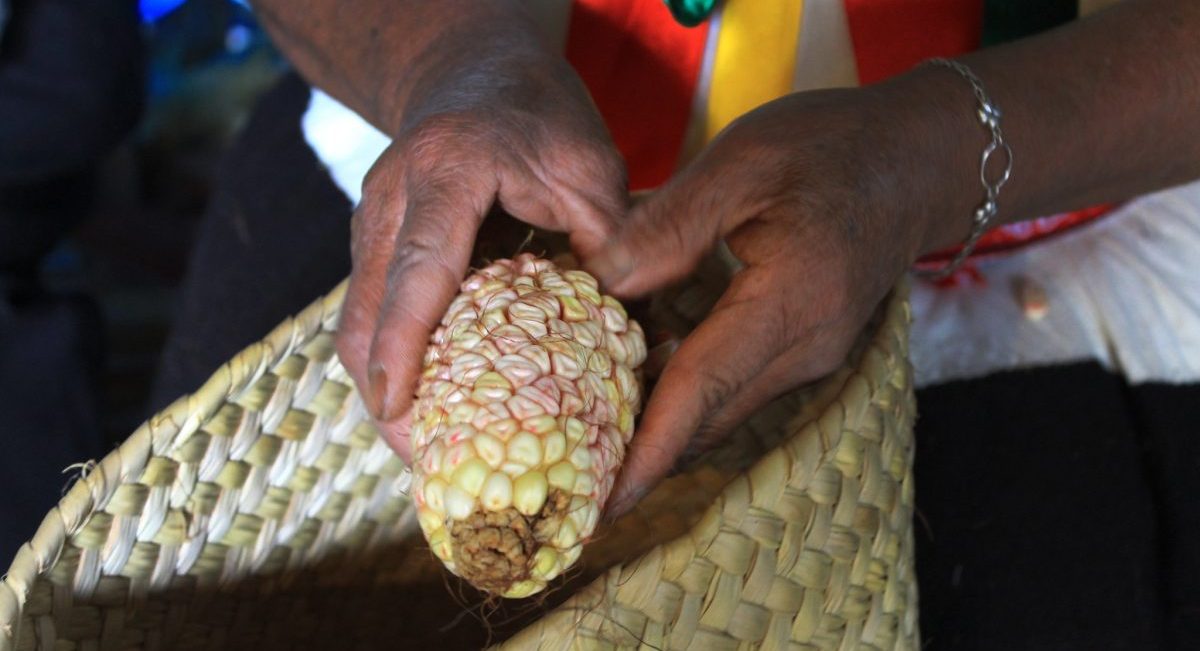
[(716, 386), (708, 435), (439, 138), (383, 175), (412, 251), (585, 155)]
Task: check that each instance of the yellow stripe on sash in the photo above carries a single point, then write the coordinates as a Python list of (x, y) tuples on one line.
[(755, 60)]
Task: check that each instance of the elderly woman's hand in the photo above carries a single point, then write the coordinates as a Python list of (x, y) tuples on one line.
[(517, 130), (824, 197)]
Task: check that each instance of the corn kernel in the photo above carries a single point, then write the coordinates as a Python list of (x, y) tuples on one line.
[(554, 448), (497, 493), (525, 448), (470, 475), (562, 476), (529, 493), (434, 491), (459, 504), (545, 563), (490, 449)]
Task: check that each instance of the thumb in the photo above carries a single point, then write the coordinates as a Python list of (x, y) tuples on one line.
[(665, 237), (430, 259)]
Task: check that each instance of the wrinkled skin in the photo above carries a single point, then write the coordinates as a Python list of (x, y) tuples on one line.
[(826, 197), (520, 133), (804, 193), (802, 190)]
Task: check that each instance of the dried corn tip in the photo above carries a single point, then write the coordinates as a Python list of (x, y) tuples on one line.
[(523, 412)]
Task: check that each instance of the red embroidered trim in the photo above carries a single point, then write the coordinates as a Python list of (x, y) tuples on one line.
[(1010, 237), (642, 68), (892, 36)]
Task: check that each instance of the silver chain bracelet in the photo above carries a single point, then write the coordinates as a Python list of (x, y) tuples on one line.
[(989, 115)]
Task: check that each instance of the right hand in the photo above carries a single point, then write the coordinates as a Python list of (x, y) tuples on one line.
[(517, 130)]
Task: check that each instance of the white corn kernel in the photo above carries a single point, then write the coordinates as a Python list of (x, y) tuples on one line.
[(522, 407), (536, 329), (539, 356), (455, 457), (513, 469), (459, 504), (497, 493), (580, 457), (571, 555), (502, 428), (540, 425), (554, 448), (434, 491), (566, 536), (489, 448), (522, 589), (562, 476), (470, 475), (439, 542), (545, 564), (525, 448), (529, 493), (462, 412), (584, 484), (575, 429), (430, 521), (518, 370), (566, 366)]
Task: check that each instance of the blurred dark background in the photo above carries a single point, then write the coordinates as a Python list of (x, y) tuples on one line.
[(114, 115), (206, 62)]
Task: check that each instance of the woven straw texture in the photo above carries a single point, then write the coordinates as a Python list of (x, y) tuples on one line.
[(265, 512)]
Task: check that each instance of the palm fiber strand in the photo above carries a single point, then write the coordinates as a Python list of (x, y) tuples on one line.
[(264, 512)]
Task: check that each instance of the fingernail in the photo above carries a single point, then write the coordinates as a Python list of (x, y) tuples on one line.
[(378, 379)]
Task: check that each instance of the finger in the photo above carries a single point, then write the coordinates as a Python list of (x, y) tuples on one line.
[(667, 234), (724, 354), (579, 190), (374, 227), (431, 256), (790, 370)]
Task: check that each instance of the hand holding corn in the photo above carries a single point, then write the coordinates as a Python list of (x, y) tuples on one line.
[(513, 129), (823, 237)]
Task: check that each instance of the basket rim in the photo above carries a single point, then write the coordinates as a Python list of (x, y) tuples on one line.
[(171, 426), (164, 430), (585, 601)]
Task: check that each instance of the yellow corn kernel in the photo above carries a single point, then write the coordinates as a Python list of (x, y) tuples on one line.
[(529, 493), (497, 493), (470, 475)]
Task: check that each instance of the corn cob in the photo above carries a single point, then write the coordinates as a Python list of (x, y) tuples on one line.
[(524, 409)]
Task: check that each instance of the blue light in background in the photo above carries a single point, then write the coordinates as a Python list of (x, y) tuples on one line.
[(152, 10)]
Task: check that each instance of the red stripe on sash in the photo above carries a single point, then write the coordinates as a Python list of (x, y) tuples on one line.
[(891, 36), (641, 68)]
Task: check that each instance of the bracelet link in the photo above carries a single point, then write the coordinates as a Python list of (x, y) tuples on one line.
[(990, 116)]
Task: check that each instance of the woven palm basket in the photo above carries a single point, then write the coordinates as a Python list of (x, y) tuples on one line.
[(264, 512)]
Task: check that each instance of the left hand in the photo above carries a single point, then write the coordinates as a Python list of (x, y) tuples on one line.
[(822, 197)]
